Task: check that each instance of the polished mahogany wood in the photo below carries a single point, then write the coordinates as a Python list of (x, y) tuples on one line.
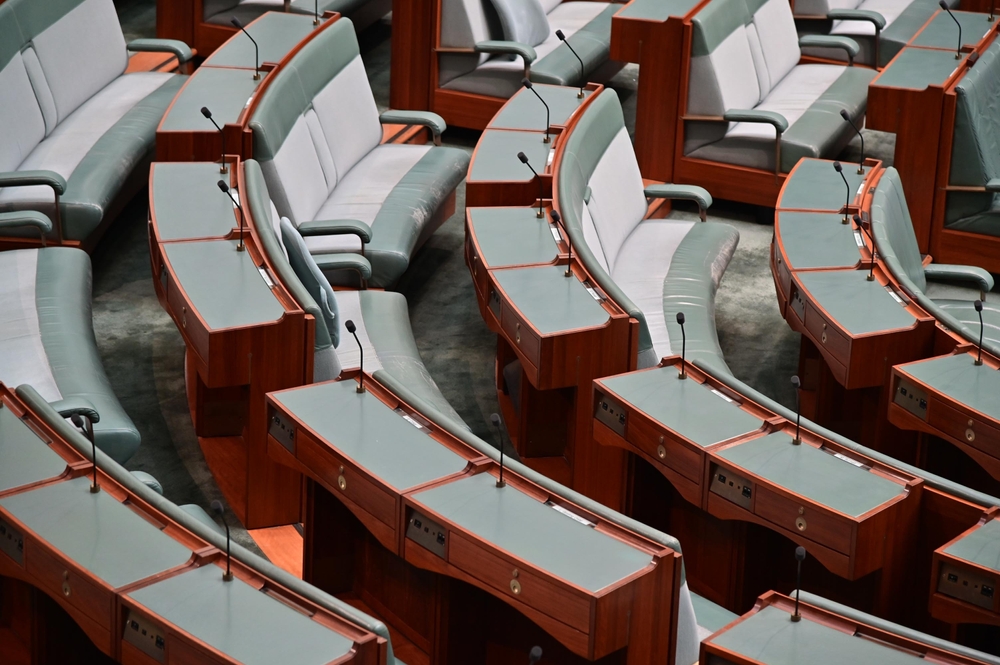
[(956, 582)]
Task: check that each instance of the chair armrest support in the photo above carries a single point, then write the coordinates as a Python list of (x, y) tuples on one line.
[(872, 17), (336, 227), (681, 192), (76, 406), (30, 178), (345, 261), (993, 185), (773, 118), (175, 46), (431, 121), (942, 271), (846, 44), (21, 218)]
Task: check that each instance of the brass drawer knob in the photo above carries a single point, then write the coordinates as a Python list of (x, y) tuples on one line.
[(661, 452), (65, 585), (515, 587), (341, 481), (823, 337), (970, 435), (800, 523)]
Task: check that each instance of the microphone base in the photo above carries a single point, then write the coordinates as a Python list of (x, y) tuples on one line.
[(795, 618), (682, 375), (861, 169), (501, 484), (979, 362), (580, 94), (223, 168), (241, 247), (227, 577), (315, 21), (360, 389), (540, 214), (870, 278), (797, 441), (96, 489), (845, 220), (256, 76), (568, 273), (958, 55), (546, 139)]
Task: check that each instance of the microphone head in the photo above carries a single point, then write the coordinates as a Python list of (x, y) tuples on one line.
[(217, 508), (495, 419), (350, 326), (978, 305), (205, 112), (837, 167), (554, 214), (560, 35), (235, 21), (534, 655), (845, 115), (796, 382), (523, 157), (526, 83), (680, 318), (224, 186), (943, 5), (800, 553), (857, 219)]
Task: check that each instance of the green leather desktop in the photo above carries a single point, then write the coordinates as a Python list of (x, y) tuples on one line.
[(859, 306), (24, 457), (942, 33), (814, 185), (495, 159), (550, 301), (958, 377), (817, 240), (225, 91), (524, 112), (186, 204), (276, 34), (512, 236), (917, 68)]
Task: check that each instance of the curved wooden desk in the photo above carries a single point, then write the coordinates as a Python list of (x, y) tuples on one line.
[(965, 586)]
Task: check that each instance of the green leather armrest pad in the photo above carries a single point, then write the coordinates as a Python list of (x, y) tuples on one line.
[(77, 406), (495, 46), (858, 15), (846, 44), (27, 178), (18, 218), (336, 227), (345, 261), (149, 45), (938, 271), (694, 193), (993, 185), (428, 119), (748, 115)]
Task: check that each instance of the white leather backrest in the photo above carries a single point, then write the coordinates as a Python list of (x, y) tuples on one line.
[(593, 239), (778, 39), (81, 53), (549, 5), (43, 94), (463, 23), (21, 124), (725, 78), (759, 64), (617, 203), (301, 185), (348, 116)]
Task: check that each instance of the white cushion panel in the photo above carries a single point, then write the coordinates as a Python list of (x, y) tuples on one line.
[(791, 98), (822, 7), (43, 94), (463, 23), (298, 167), (549, 5), (361, 192), (347, 112), (641, 267), (66, 147), (759, 64), (593, 240), (349, 304), (732, 73), (689, 633), (778, 39), (22, 354), (20, 118), (322, 148), (889, 9), (617, 202), (81, 53)]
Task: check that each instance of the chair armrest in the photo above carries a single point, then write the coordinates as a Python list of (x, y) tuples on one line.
[(495, 47), (939, 271), (19, 218), (684, 192), (344, 261), (846, 44), (76, 406), (175, 46), (749, 115), (336, 227), (431, 121), (858, 15), (29, 178), (993, 185)]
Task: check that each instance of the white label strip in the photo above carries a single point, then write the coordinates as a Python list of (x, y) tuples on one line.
[(570, 514), (723, 396), (858, 239), (267, 277), (555, 233), (895, 297)]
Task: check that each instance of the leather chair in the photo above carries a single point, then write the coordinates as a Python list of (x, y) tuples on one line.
[(78, 133), (652, 268), (751, 104), (317, 134), (361, 12)]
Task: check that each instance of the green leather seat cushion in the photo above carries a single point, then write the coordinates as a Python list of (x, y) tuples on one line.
[(592, 43)]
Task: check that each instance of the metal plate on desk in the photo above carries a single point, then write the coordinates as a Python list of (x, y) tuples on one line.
[(911, 398), (427, 533), (276, 33), (24, 458), (187, 202), (550, 301), (968, 585), (523, 111)]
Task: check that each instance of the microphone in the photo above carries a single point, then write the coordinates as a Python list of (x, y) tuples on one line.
[(535, 655), (800, 556), (87, 425), (495, 419), (316, 12), (351, 328), (840, 169), (208, 114), (256, 51), (583, 71), (798, 410), (557, 220), (847, 116), (221, 512), (871, 271), (680, 322), (944, 6), (527, 84), (225, 190), (541, 188), (979, 359)]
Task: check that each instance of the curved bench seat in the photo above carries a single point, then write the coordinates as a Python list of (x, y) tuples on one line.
[(47, 338)]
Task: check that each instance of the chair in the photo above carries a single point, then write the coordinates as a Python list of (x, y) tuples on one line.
[(78, 133)]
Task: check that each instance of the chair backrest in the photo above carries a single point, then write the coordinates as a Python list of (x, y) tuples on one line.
[(212, 7), (892, 229), (54, 56), (315, 121), (822, 7)]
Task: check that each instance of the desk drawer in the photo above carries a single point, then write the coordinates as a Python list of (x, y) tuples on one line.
[(520, 335), (826, 334), (969, 430), (816, 524), (345, 480), (65, 583)]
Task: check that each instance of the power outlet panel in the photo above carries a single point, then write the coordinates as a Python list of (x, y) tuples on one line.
[(911, 398), (964, 584), (428, 534), (611, 413), (732, 487), (12, 543), (145, 636), (282, 431)]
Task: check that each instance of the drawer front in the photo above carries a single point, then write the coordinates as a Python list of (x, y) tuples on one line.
[(64, 582), (345, 480), (552, 599), (818, 525), (825, 334), (520, 335), (971, 431)]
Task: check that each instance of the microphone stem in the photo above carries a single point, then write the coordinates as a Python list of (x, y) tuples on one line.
[(979, 357), (847, 202), (798, 585), (683, 353), (95, 488)]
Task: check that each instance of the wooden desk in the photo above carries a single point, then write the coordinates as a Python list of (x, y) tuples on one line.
[(964, 587), (185, 202), (427, 509)]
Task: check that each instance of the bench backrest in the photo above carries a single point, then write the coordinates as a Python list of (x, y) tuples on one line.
[(893, 231), (315, 121), (54, 56), (822, 7)]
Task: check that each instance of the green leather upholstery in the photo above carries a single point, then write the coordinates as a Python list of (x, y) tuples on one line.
[(845, 44), (501, 47), (592, 43), (361, 12), (146, 45), (431, 121)]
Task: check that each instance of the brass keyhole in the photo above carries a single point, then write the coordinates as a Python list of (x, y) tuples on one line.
[(184, 320), (517, 333), (970, 435), (342, 483), (823, 337), (800, 523)]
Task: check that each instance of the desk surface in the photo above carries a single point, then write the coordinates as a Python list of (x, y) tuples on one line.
[(693, 410), (981, 547), (96, 531), (859, 306), (918, 68), (656, 10), (818, 240), (223, 285), (524, 111), (550, 301), (187, 202), (813, 473), (226, 92), (959, 378), (815, 185), (512, 236), (276, 33), (942, 32), (238, 620), (24, 458), (534, 531), (495, 158), (372, 435), (769, 637)]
